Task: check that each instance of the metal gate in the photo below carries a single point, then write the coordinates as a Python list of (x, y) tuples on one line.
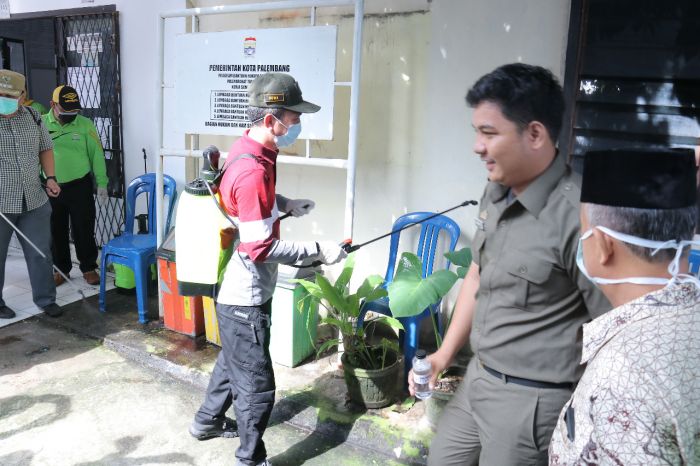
[(87, 51)]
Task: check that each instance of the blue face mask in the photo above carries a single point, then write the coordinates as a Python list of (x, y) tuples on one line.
[(8, 105), (292, 134), (645, 243)]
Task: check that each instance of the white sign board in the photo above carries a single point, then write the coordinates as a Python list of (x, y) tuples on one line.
[(215, 68), (4, 9)]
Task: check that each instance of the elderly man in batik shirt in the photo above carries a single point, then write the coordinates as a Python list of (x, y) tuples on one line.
[(638, 402)]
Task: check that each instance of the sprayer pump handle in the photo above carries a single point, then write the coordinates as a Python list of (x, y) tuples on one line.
[(211, 156), (348, 247)]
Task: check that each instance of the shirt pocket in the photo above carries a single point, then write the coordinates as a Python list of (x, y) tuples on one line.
[(528, 276)]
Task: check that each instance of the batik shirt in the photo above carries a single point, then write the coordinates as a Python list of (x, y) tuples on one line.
[(638, 402)]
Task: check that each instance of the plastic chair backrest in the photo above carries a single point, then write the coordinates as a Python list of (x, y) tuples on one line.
[(146, 184), (694, 261), (427, 241)]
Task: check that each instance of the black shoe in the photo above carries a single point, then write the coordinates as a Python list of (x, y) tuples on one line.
[(6, 313), (53, 310), (226, 429), (264, 462)]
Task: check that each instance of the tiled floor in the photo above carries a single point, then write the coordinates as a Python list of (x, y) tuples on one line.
[(17, 292)]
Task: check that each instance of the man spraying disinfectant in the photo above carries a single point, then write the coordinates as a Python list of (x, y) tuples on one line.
[(243, 373)]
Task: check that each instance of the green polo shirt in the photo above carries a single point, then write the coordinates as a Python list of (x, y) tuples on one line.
[(532, 299), (77, 149)]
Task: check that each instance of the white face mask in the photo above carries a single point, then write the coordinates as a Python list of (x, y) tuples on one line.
[(673, 266)]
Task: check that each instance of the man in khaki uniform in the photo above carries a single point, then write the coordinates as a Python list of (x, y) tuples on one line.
[(523, 301)]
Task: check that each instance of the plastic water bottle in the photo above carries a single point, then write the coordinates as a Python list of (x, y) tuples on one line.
[(421, 375)]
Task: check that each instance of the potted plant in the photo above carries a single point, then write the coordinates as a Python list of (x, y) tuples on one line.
[(370, 370), (410, 294)]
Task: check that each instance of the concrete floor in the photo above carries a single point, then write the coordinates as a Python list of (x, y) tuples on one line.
[(17, 292), (68, 400), (92, 388)]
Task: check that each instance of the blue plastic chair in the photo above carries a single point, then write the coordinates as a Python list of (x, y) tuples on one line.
[(694, 261), (138, 252), (427, 245)]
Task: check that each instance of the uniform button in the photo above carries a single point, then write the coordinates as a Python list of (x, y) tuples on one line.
[(567, 187), (522, 269), (502, 224)]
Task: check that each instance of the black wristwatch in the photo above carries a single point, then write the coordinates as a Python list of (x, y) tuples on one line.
[(51, 178)]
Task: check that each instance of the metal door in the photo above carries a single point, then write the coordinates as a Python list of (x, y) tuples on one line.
[(87, 50)]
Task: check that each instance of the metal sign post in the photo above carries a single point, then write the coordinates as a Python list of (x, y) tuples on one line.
[(348, 163)]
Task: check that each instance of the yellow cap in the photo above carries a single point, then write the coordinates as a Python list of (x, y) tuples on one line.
[(67, 97)]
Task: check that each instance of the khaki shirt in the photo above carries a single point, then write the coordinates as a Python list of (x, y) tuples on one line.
[(532, 299)]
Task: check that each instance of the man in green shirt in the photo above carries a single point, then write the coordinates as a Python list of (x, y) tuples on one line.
[(79, 156), (38, 106)]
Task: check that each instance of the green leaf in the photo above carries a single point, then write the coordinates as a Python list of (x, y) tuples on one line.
[(410, 262), (302, 303), (410, 294), (370, 284), (462, 258), (312, 288), (332, 321), (327, 344), (462, 272), (353, 305), (392, 322), (391, 344), (342, 326), (334, 297), (341, 283), (375, 294)]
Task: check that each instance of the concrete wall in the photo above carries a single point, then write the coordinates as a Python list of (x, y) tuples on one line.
[(469, 39), (415, 144)]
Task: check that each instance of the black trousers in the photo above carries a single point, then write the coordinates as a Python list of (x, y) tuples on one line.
[(243, 376), (74, 208)]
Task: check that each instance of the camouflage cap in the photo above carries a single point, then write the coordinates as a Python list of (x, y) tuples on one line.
[(11, 83), (278, 90)]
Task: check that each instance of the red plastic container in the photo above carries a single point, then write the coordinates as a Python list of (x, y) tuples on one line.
[(182, 314)]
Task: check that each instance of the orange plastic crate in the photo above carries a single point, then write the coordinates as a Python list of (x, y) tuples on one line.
[(182, 314)]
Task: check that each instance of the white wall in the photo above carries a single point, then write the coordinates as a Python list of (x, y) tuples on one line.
[(415, 141), (394, 76), (468, 40), (139, 71)]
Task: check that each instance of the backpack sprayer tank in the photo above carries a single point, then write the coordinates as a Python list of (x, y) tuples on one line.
[(203, 235)]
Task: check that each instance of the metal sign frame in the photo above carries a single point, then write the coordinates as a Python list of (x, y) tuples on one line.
[(349, 164)]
